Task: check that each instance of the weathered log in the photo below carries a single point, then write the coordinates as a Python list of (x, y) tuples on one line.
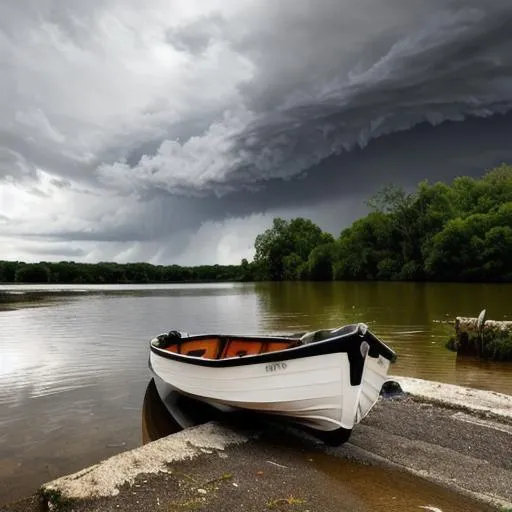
[(487, 339)]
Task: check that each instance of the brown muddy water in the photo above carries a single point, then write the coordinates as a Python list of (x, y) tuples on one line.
[(73, 372), (391, 490)]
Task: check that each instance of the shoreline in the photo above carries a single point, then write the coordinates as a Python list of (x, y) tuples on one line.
[(489, 403), (433, 432)]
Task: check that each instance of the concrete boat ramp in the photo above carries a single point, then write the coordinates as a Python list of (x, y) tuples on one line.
[(434, 448)]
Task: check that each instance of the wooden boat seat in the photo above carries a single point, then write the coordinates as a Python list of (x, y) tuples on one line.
[(207, 348), (239, 348), (222, 347)]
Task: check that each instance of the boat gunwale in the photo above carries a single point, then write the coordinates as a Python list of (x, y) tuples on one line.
[(343, 343)]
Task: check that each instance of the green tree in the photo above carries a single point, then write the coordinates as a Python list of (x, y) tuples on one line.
[(246, 271), (8, 271), (320, 262), (292, 267), (363, 246), (275, 247), (32, 273), (473, 248)]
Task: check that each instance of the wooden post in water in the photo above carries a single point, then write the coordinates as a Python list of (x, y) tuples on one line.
[(479, 337)]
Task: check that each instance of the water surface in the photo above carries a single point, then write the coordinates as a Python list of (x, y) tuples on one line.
[(73, 372)]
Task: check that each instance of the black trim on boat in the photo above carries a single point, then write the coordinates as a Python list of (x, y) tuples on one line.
[(349, 342)]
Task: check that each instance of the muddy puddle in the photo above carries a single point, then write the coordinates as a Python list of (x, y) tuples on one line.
[(382, 489)]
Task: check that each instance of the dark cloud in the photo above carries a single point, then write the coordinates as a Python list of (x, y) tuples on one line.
[(314, 94), (424, 152), (57, 251), (124, 124), (196, 36), (60, 183)]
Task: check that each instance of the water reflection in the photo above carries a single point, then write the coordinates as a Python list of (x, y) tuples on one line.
[(157, 421), (160, 420)]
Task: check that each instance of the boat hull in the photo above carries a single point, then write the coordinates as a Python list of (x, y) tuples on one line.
[(315, 392)]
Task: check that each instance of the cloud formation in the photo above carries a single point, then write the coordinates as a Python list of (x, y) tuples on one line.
[(125, 127)]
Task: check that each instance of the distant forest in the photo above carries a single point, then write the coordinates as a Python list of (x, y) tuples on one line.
[(441, 232)]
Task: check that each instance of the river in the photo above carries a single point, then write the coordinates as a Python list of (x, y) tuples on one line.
[(73, 372)]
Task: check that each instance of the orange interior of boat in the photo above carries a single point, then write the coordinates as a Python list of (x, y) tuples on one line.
[(225, 347)]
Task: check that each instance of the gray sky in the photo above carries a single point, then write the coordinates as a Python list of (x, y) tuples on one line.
[(174, 131)]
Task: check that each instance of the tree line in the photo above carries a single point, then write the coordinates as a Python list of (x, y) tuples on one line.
[(444, 232), (460, 231), (113, 273)]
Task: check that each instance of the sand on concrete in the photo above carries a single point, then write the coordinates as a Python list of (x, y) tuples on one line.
[(477, 400)]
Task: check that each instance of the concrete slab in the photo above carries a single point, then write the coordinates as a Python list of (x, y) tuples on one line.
[(278, 471), (107, 477), (412, 452), (476, 400)]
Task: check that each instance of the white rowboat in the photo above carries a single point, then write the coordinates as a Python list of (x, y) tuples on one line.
[(325, 380)]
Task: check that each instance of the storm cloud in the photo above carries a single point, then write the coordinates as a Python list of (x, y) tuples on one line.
[(132, 131)]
